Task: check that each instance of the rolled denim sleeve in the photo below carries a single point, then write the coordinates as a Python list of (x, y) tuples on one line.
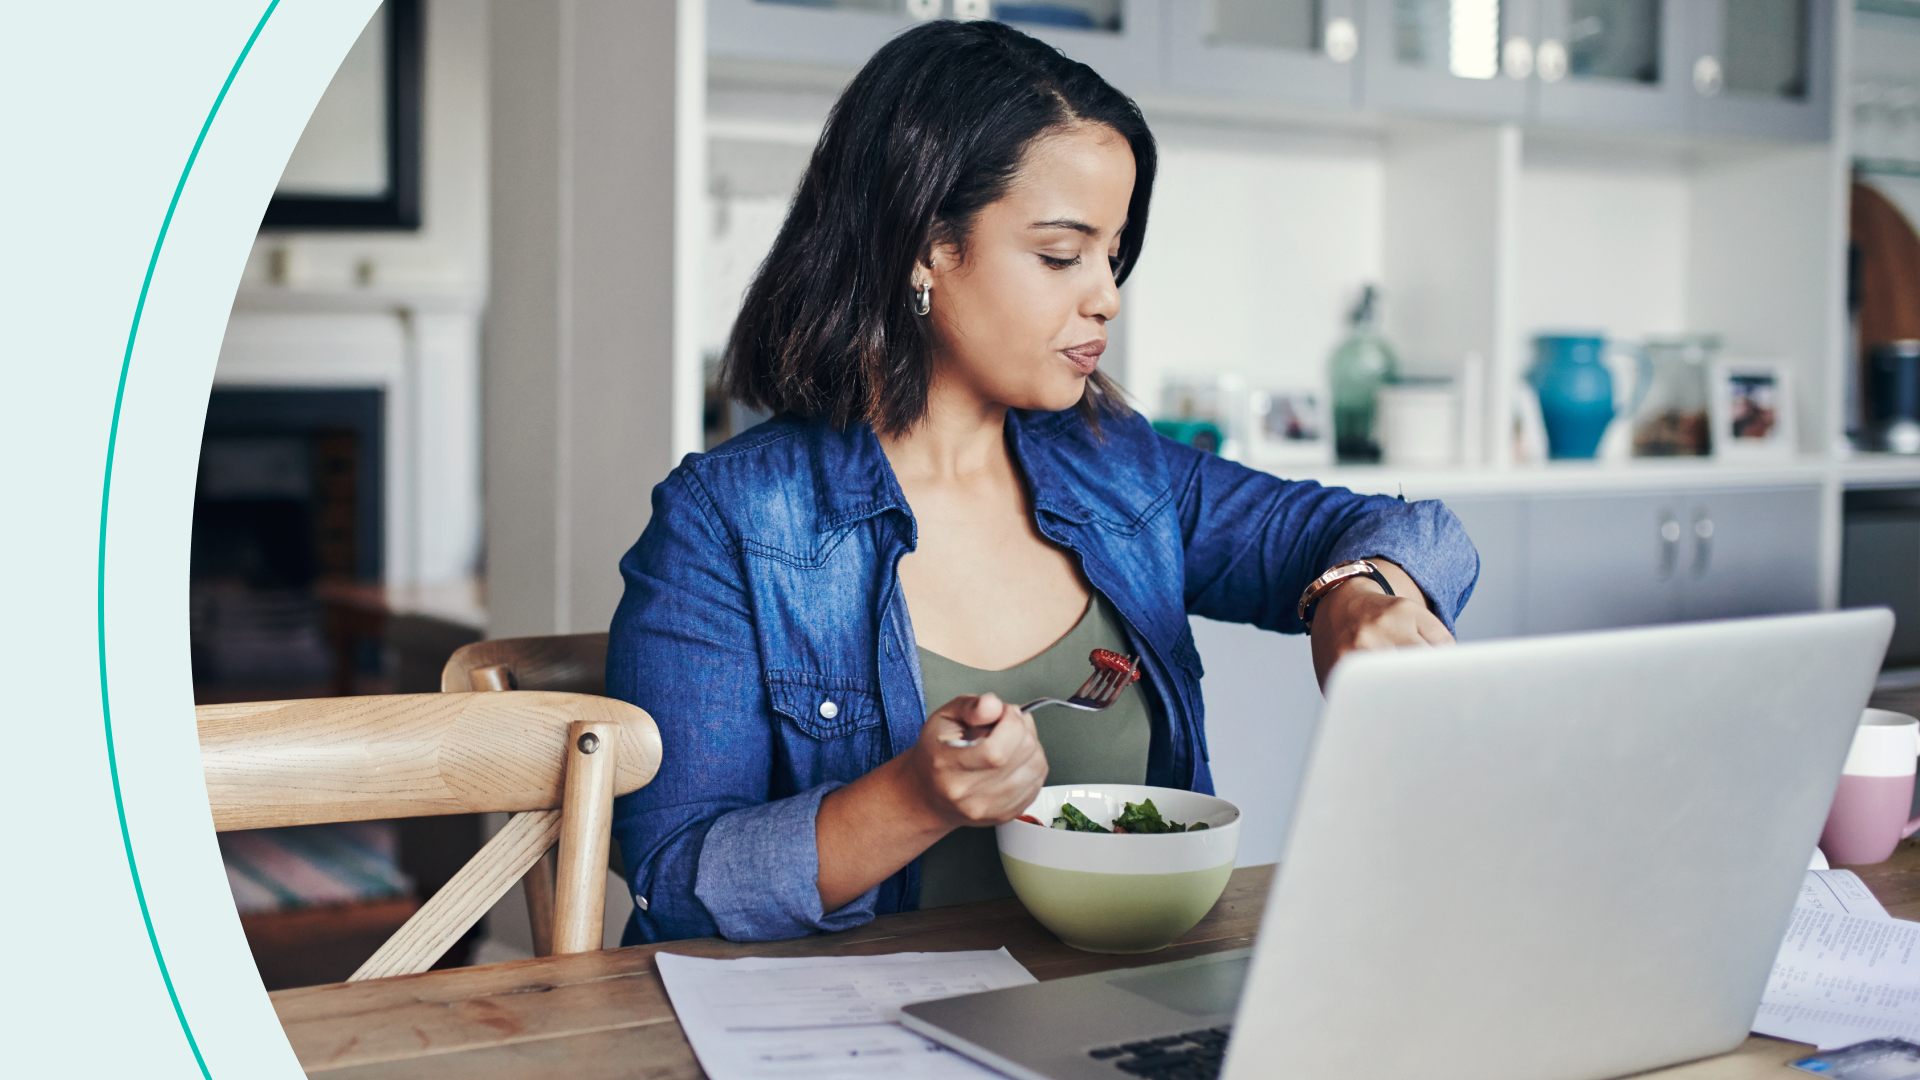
[(713, 845), (759, 873), (1254, 541)]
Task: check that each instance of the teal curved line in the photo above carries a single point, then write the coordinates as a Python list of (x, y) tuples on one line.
[(106, 491)]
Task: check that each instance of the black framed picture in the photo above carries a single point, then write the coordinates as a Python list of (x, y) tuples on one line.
[(357, 165)]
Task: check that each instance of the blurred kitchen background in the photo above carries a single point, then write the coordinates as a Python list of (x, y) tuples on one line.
[(1631, 284)]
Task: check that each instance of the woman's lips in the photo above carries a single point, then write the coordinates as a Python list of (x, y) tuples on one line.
[(1085, 358)]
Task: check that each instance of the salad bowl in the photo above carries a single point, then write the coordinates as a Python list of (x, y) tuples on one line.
[(1120, 892)]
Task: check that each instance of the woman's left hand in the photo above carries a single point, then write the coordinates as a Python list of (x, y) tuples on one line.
[(1360, 615)]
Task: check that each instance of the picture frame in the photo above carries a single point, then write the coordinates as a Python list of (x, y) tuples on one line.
[(1204, 410), (401, 101), (1751, 407), (1289, 426)]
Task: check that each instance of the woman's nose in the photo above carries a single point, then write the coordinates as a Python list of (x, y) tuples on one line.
[(1104, 303)]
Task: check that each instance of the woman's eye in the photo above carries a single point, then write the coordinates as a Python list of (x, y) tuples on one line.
[(1058, 263)]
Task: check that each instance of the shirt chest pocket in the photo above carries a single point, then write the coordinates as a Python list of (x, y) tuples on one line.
[(823, 706)]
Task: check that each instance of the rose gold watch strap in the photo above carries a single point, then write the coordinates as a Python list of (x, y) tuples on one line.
[(1332, 578)]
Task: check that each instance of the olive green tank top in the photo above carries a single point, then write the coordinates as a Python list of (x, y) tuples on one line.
[(1107, 747)]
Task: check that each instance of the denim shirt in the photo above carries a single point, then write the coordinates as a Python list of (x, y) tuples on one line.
[(764, 628)]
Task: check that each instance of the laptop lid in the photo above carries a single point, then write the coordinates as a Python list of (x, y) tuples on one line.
[(1552, 858)]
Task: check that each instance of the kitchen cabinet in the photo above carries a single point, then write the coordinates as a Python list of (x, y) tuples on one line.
[(1762, 68), (1880, 562), (843, 33), (1565, 563), (1121, 39), (1457, 58), (1497, 526), (1294, 51), (1598, 561), (1748, 552), (1617, 63)]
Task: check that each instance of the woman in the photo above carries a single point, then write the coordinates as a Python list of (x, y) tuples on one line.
[(950, 508)]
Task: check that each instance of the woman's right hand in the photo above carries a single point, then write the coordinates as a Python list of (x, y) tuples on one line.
[(887, 818), (989, 783)]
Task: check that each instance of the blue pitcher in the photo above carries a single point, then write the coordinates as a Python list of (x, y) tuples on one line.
[(1576, 390)]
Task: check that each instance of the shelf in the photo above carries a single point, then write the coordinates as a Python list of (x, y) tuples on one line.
[(1909, 9), (1564, 477), (255, 299), (1885, 167), (310, 946), (1641, 474)]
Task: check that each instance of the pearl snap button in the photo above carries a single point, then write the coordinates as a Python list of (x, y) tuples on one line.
[(829, 710)]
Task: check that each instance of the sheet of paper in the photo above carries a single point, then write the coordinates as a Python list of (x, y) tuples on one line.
[(827, 1016), (1846, 972), (1839, 891)]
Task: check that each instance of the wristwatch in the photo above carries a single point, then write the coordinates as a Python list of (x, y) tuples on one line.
[(1331, 580)]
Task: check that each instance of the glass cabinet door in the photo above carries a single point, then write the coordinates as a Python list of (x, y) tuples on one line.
[(1297, 51), (839, 33), (1612, 62), (1763, 68), (1460, 57), (1118, 38)]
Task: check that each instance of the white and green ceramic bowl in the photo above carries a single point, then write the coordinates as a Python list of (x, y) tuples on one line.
[(1120, 893)]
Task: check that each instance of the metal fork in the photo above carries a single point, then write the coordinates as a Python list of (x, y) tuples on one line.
[(1101, 690)]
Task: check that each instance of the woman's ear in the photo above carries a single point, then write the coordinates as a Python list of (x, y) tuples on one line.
[(940, 259)]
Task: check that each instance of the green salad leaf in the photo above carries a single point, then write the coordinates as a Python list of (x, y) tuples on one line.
[(1143, 817), (1073, 820)]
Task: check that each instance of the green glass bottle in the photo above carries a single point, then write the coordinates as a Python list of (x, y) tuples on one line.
[(1361, 365)]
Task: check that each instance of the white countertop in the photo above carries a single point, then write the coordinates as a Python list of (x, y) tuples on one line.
[(1642, 474)]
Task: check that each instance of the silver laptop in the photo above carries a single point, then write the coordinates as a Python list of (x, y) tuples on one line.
[(1555, 858)]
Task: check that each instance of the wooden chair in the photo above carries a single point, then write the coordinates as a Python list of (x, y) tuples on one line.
[(553, 760), (573, 663)]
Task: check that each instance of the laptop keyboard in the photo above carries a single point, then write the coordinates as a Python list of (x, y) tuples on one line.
[(1194, 1056)]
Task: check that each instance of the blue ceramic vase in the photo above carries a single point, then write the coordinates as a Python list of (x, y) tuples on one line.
[(1576, 391)]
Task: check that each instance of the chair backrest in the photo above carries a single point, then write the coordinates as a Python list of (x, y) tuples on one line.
[(275, 763), (575, 663), (554, 759)]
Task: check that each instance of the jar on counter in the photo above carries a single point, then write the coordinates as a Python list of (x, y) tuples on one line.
[(1893, 395), (1673, 421)]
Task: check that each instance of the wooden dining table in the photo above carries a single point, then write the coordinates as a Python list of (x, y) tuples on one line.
[(604, 1015)]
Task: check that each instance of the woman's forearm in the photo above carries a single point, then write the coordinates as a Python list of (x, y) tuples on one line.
[(868, 830)]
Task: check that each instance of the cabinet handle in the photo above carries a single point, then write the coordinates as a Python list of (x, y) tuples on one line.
[(1342, 42), (1550, 60), (922, 10), (1706, 76), (1669, 543), (1702, 542), (1516, 58)]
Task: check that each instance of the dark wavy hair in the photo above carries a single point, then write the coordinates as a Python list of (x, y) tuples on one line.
[(930, 132)]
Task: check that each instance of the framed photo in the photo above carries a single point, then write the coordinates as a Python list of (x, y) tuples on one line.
[(1752, 410), (357, 165), (1289, 427)]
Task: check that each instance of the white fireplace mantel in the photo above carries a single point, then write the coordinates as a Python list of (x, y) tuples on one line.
[(422, 347)]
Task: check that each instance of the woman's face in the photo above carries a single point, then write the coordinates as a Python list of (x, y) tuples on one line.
[(1020, 317)]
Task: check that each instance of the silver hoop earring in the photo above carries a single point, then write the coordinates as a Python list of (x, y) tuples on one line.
[(924, 302)]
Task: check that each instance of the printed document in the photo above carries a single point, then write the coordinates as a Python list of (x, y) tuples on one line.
[(1847, 970), (827, 1016), (1841, 892)]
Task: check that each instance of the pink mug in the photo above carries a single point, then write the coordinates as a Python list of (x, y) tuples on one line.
[(1869, 815)]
